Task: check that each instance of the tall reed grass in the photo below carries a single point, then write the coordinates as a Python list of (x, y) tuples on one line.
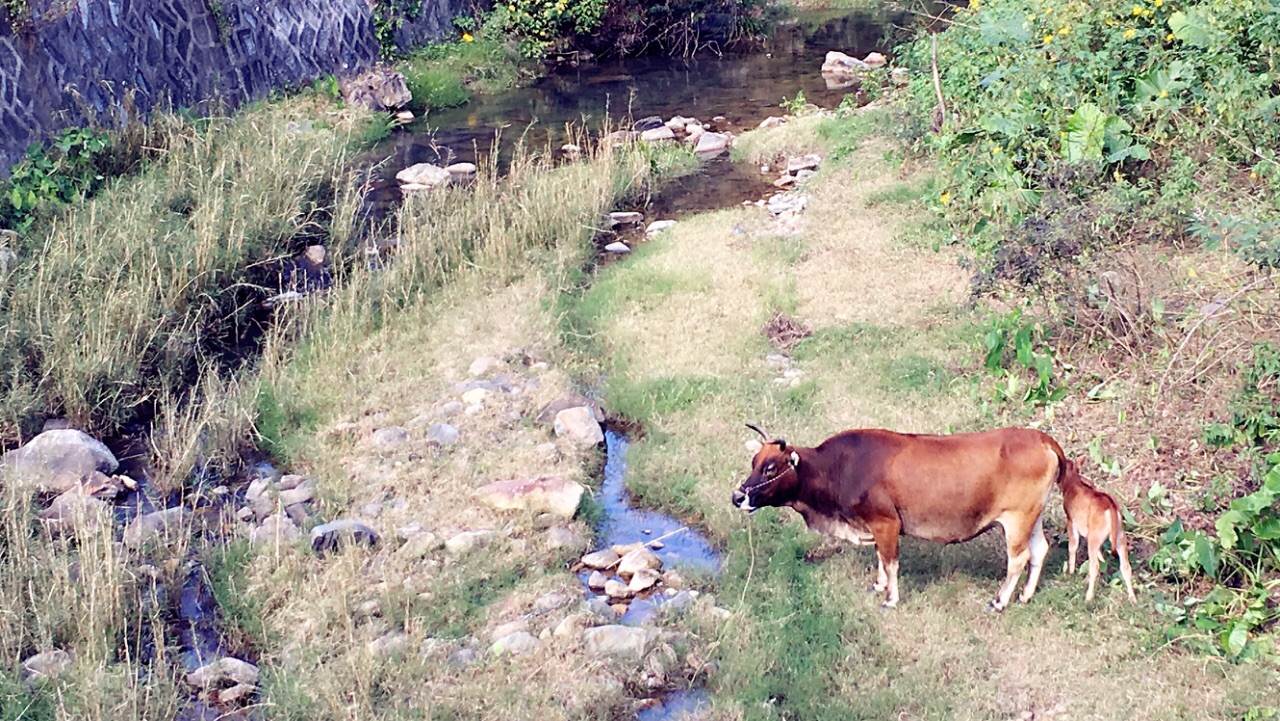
[(131, 294)]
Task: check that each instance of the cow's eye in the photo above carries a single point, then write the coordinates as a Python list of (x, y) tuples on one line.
[(768, 468)]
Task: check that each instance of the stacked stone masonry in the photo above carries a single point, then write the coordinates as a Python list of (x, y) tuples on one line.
[(95, 62)]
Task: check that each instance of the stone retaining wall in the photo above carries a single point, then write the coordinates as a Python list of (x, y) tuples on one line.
[(81, 62)]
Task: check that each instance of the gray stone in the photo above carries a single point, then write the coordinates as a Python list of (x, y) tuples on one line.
[(294, 496), (643, 580), (564, 538), (658, 135), (547, 414), (658, 226), (778, 361), (56, 461), (483, 366), (391, 436), (8, 259), (772, 122), (596, 581), (579, 426), (649, 123), (344, 531), (462, 658), (508, 628), (572, 626), (277, 528), (449, 409), (679, 603), (803, 162), (76, 510), (389, 644), (619, 643), (418, 546), (222, 671), (469, 541), (152, 524), (711, 143), (423, 174), (377, 89), (638, 560), (617, 247), (552, 601), (626, 218), (602, 559), (443, 433), (462, 170), (615, 589), (236, 695), (290, 481), (46, 665), (516, 644), (840, 64), (598, 607)]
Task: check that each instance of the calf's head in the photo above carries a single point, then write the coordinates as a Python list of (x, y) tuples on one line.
[(773, 480)]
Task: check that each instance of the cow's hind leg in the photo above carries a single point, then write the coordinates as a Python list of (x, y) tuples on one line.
[(882, 578), (1039, 548), (1017, 534)]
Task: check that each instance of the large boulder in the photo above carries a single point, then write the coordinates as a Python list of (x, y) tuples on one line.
[(842, 71), (545, 493), (377, 89), (620, 643), (76, 510), (59, 460), (516, 644), (568, 400), (48, 664), (579, 426)]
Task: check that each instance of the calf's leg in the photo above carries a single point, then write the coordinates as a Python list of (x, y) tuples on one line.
[(1073, 547)]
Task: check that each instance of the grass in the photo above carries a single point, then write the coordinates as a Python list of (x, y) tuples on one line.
[(894, 345), (446, 75)]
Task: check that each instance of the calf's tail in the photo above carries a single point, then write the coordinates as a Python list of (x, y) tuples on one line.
[(1068, 471)]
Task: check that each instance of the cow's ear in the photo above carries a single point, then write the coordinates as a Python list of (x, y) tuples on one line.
[(753, 445), (795, 459)]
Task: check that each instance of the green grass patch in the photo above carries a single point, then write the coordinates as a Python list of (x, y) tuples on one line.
[(648, 400), (241, 613), (446, 75), (914, 373)]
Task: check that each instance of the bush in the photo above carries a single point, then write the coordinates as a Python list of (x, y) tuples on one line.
[(1137, 98)]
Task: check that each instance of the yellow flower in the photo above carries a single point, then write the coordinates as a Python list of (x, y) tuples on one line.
[(1031, 18), (944, 198), (512, 8), (1064, 30), (995, 151), (1158, 3), (1169, 38), (1137, 9), (1130, 33), (1253, 175), (1191, 273), (1164, 93), (975, 3), (1048, 38), (466, 38), (1048, 10)]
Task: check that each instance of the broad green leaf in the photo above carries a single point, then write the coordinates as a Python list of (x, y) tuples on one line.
[(1192, 28), (1085, 134), (1237, 639), (1207, 556), (1227, 524), (1268, 529), (1022, 344)]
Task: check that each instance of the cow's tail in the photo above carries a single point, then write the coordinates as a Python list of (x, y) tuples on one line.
[(1068, 471)]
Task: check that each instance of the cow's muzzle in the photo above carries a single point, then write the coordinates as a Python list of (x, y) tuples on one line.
[(743, 501)]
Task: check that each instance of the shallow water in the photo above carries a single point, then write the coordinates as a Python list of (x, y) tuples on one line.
[(741, 88)]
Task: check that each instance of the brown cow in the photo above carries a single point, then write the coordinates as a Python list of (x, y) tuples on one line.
[(871, 486), (1093, 515)]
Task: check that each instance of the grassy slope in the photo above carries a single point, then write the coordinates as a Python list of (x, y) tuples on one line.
[(892, 345)]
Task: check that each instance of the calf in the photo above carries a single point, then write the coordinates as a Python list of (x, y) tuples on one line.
[(871, 486), (1094, 516)]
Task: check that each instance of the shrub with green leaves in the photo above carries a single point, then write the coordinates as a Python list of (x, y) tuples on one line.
[(1136, 98)]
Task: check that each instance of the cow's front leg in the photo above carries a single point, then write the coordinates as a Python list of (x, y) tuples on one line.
[(886, 537), (882, 578)]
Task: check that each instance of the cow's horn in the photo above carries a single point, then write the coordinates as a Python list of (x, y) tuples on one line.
[(763, 435)]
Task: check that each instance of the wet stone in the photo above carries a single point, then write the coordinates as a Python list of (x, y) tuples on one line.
[(600, 559), (650, 123)]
